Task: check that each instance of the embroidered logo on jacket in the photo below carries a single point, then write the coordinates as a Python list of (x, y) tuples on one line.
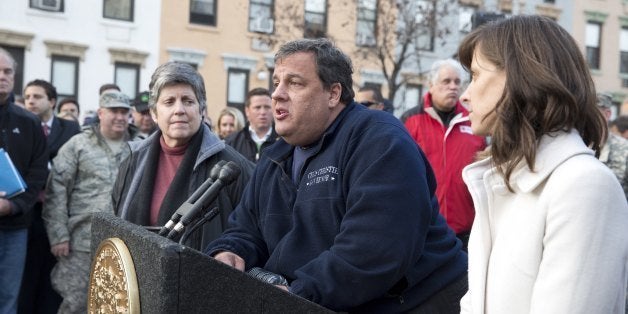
[(466, 129), (325, 174)]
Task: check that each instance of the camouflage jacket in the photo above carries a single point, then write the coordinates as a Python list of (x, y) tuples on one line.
[(615, 155), (80, 184)]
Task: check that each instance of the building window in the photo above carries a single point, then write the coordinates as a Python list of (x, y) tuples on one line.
[(47, 5), (127, 77), (18, 55), (261, 16), (271, 84), (237, 86), (315, 19), (203, 12), (593, 34), (412, 95), (118, 10), (426, 24), (623, 50), (65, 75), (367, 23)]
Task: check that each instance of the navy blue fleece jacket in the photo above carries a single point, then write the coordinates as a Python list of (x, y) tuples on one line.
[(361, 231)]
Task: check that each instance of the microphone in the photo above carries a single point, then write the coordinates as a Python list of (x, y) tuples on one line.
[(228, 173), (189, 203)]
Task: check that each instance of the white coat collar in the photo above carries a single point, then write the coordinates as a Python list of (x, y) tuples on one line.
[(553, 150)]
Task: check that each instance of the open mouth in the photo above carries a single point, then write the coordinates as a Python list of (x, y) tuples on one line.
[(281, 114)]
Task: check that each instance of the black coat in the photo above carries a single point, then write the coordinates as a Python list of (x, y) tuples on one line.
[(62, 130), (244, 144), (22, 137), (133, 189)]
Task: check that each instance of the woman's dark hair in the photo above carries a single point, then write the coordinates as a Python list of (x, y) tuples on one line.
[(548, 87)]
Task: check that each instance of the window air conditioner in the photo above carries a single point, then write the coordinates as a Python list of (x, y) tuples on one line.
[(51, 5), (365, 40), (262, 25)]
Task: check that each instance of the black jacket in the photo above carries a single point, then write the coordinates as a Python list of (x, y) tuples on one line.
[(360, 226), (244, 144), (22, 137), (142, 162), (62, 130)]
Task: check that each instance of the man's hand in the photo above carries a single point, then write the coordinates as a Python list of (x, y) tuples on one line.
[(230, 259), (282, 287), (61, 249), (5, 205)]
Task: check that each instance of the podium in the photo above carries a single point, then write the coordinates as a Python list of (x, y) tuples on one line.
[(173, 278)]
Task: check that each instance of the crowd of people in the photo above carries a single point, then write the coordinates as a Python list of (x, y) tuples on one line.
[(507, 196)]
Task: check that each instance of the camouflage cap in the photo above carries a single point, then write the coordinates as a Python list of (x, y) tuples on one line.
[(604, 100), (114, 99)]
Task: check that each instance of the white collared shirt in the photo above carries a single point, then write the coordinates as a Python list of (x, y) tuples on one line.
[(48, 123), (257, 139)]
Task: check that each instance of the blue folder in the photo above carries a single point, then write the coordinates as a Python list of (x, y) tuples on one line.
[(11, 182)]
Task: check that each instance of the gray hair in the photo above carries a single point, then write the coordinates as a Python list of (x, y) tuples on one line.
[(438, 64), (332, 65), (4, 52), (174, 72)]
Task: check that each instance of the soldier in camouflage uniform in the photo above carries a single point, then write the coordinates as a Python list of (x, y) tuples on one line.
[(80, 184), (614, 154)]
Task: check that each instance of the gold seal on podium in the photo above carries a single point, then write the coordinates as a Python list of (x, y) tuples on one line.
[(112, 281)]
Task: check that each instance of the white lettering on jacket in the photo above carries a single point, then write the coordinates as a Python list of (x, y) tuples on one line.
[(324, 174)]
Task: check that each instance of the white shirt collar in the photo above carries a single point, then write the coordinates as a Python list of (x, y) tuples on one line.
[(49, 122), (256, 138)]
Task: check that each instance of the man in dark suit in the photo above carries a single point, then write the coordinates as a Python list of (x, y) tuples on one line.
[(36, 293), (258, 133)]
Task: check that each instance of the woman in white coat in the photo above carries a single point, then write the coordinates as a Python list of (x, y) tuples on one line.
[(550, 232)]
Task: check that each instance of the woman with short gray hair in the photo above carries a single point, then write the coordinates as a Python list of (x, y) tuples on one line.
[(166, 168)]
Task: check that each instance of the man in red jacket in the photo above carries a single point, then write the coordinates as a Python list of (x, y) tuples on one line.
[(443, 131)]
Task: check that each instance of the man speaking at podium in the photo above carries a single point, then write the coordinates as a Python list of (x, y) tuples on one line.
[(163, 170), (343, 204)]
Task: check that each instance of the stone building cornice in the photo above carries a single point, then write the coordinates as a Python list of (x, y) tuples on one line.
[(65, 48), (128, 56), (548, 10), (14, 38)]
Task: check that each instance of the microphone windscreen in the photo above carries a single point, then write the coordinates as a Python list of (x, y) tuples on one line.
[(229, 172), (215, 172)]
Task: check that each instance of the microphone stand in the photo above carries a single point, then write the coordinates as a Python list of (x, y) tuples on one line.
[(206, 218), (189, 204), (228, 173)]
